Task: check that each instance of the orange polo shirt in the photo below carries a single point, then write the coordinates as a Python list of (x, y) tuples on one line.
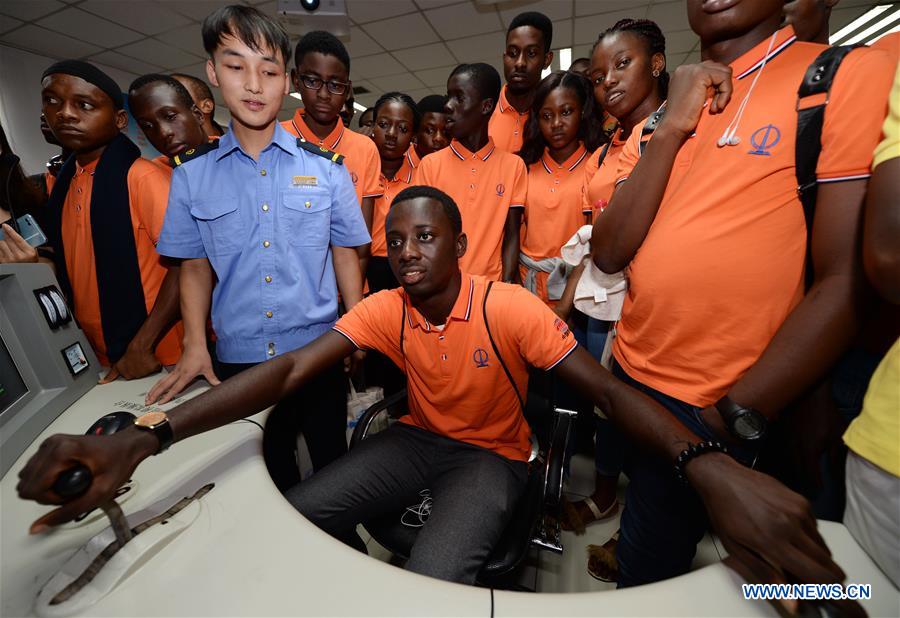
[(49, 180), (404, 177), (413, 157), (148, 191), (484, 185), (889, 43), (722, 266), (360, 154), (457, 388), (162, 162), (600, 180), (552, 209), (507, 126)]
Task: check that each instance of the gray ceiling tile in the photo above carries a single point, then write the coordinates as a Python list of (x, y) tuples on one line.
[(376, 66), (187, 38), (582, 51), (425, 57), (680, 41), (363, 11), (400, 32), (461, 20), (418, 94), (48, 43), (588, 28), (194, 9), (124, 63), (562, 33), (146, 17), (86, 25), (8, 23), (361, 44), (670, 16), (436, 4), (157, 52), (402, 83), (435, 78), (27, 10), (554, 9), (197, 70), (591, 7), (483, 45)]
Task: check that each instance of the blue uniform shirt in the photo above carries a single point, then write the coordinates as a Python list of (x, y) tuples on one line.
[(267, 228)]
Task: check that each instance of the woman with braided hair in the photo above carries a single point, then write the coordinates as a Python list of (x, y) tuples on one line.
[(629, 80)]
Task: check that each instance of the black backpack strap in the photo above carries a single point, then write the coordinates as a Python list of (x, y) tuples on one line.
[(810, 120), (497, 351), (650, 127)]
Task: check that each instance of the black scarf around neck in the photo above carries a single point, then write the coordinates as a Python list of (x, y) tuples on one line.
[(122, 304)]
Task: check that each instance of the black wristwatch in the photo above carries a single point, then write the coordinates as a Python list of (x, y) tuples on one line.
[(743, 423)]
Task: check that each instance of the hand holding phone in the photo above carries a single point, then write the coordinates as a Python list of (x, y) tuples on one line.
[(29, 230), (14, 248)]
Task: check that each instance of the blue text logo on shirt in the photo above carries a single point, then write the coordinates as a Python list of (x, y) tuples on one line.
[(480, 357), (764, 139)]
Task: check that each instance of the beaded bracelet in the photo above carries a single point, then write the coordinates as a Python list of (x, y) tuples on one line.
[(695, 450)]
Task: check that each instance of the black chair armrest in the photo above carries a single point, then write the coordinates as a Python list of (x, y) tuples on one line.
[(556, 455), (390, 403)]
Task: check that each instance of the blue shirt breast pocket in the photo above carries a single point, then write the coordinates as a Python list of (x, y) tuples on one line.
[(220, 225), (308, 217)]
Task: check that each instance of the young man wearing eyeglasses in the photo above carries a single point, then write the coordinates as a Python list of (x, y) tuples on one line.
[(267, 228), (322, 77)]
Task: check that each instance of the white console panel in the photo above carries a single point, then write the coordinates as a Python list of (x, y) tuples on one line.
[(249, 553)]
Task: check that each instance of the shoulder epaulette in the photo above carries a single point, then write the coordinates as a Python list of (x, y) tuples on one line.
[(193, 153), (321, 151)]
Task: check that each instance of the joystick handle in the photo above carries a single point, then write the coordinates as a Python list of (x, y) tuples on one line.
[(73, 482)]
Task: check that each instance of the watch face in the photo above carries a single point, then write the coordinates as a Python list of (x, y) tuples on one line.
[(151, 419), (749, 425)]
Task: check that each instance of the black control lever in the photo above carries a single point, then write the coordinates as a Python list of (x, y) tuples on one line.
[(75, 481)]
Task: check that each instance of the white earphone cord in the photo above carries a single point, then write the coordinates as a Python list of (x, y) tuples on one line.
[(729, 137)]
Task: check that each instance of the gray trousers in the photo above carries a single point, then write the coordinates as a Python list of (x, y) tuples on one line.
[(474, 493), (872, 514)]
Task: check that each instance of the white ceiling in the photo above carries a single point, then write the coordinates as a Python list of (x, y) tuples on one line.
[(408, 45)]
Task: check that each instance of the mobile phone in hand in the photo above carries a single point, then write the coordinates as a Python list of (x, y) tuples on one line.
[(30, 231)]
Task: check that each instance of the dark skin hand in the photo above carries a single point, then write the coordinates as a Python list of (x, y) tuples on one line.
[(881, 252), (139, 359)]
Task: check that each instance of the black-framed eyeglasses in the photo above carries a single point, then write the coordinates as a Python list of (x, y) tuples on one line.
[(315, 83)]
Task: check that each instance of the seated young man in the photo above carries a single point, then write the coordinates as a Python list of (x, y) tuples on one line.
[(488, 183), (717, 324), (432, 134), (465, 439), (165, 112), (204, 100), (104, 219)]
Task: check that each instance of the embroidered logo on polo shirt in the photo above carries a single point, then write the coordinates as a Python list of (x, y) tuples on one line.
[(501, 189), (562, 327), (764, 139), (480, 357)]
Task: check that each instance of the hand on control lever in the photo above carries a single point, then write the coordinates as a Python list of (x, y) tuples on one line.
[(104, 463)]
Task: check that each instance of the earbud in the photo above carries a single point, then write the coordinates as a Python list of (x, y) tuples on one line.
[(734, 140)]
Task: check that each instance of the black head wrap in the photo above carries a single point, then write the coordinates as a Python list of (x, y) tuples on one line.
[(91, 74)]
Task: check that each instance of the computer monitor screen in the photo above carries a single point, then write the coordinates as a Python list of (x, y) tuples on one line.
[(12, 387)]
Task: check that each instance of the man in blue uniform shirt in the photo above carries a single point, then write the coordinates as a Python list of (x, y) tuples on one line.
[(267, 227)]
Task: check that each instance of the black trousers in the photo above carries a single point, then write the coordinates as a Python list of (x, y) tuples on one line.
[(318, 410), (474, 492)]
